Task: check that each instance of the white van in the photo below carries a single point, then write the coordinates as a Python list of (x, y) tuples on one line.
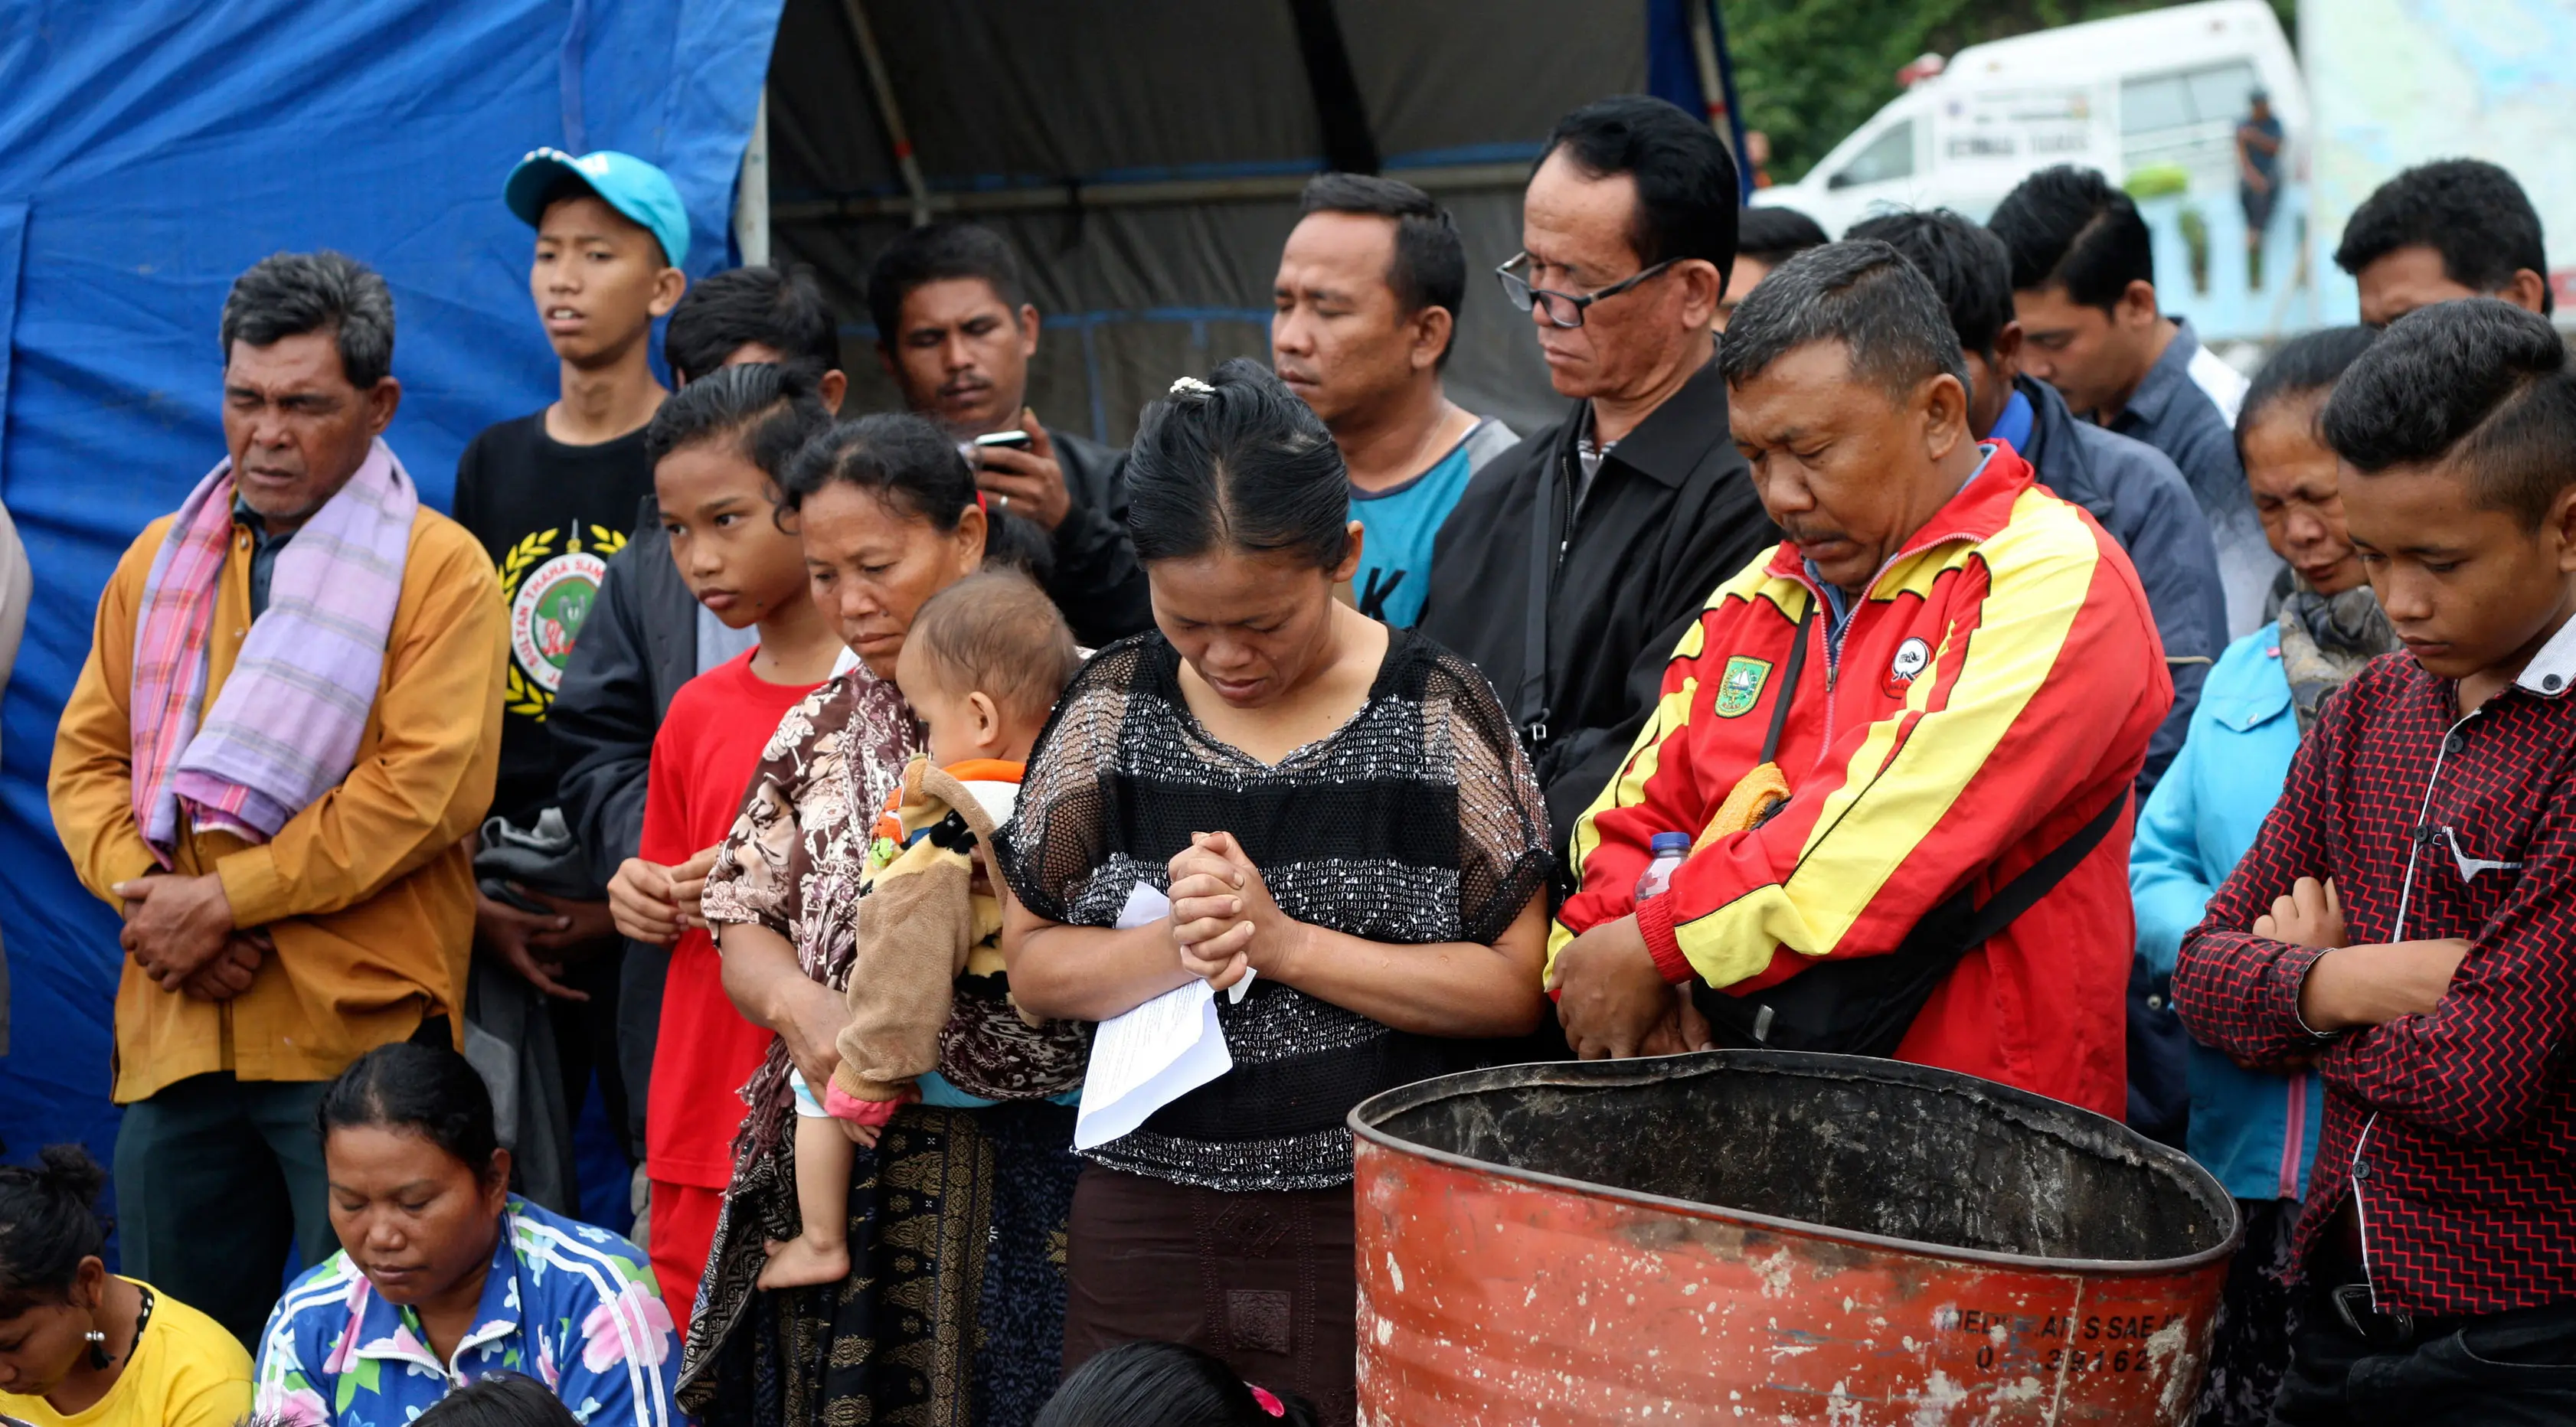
[(2161, 87)]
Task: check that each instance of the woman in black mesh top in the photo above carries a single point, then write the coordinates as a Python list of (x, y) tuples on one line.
[(1336, 806)]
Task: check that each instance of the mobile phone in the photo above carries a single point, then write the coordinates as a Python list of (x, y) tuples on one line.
[(1016, 440)]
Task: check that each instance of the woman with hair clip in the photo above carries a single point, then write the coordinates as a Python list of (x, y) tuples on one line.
[(954, 1306), (1335, 811), (2255, 1130), (82, 1347)]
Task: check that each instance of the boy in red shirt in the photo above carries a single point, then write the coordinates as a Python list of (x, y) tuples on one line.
[(716, 447)]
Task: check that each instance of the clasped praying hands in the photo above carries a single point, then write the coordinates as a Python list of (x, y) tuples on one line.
[(1224, 923)]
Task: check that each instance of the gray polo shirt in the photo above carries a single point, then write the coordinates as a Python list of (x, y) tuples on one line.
[(2186, 407)]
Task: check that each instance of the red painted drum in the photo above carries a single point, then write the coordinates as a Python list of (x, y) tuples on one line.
[(1769, 1236)]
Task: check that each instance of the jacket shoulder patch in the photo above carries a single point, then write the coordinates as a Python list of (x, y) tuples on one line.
[(1741, 686)]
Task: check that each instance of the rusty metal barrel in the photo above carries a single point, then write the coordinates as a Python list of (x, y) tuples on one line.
[(1770, 1236)]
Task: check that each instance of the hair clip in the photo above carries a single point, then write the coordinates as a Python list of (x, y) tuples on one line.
[(1269, 1402), (1192, 386)]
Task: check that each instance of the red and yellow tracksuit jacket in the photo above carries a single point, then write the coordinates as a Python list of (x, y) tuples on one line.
[(1997, 683)]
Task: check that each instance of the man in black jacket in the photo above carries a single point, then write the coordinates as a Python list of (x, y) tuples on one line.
[(1595, 542), (646, 635), (956, 333)]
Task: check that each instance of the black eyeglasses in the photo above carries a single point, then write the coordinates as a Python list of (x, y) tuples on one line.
[(1564, 309)]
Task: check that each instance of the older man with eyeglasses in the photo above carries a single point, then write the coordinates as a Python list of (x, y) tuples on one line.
[(1576, 561)]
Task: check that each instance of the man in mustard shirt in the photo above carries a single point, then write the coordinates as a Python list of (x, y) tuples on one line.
[(288, 724)]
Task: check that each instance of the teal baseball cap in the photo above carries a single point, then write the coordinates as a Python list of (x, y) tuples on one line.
[(622, 181)]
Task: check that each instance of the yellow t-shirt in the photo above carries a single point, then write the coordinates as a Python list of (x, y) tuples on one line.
[(187, 1372)]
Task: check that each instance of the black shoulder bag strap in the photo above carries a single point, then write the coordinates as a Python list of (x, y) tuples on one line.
[(1864, 1005), (1796, 664)]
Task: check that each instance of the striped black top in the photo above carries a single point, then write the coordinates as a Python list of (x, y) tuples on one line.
[(1415, 822)]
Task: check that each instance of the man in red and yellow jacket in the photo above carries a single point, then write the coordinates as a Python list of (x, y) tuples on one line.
[(1979, 681)]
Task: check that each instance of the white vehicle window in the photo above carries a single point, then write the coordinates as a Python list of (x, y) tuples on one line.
[(2218, 93), (2212, 94), (2150, 105), (1889, 156)]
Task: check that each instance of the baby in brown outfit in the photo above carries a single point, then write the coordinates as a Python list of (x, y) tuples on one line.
[(982, 667)]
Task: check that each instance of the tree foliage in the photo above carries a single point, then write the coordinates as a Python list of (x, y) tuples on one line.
[(1807, 72)]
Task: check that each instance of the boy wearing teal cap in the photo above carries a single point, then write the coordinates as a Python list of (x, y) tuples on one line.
[(552, 495)]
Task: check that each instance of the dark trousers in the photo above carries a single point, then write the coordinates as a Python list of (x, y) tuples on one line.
[(586, 1039), (215, 1177), (2512, 1367), (1264, 1281), (2250, 1345)]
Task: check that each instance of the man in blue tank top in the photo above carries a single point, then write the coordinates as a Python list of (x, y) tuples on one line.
[(1366, 305)]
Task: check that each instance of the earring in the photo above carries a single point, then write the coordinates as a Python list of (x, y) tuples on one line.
[(98, 1358)]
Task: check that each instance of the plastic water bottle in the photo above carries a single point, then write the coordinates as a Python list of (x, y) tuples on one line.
[(1669, 849)]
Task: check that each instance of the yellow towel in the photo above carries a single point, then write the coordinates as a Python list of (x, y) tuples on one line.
[(1749, 805)]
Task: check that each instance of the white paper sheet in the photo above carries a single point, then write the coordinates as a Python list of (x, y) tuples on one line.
[(1152, 1055)]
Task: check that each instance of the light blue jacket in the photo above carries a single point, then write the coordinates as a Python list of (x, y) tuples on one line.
[(2255, 1131)]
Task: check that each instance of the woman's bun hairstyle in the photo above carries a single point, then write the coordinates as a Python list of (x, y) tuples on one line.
[(1237, 461), (49, 1223)]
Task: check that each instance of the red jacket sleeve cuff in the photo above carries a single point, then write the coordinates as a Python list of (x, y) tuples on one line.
[(1655, 919)]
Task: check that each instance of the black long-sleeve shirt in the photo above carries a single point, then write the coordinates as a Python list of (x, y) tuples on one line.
[(1096, 580), (1669, 515)]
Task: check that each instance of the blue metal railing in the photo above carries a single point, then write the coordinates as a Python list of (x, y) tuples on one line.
[(2214, 285)]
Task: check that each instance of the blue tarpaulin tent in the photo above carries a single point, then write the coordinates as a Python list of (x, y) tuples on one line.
[(149, 153)]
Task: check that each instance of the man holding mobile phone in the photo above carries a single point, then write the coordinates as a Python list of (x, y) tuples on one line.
[(956, 333), (1011, 440)]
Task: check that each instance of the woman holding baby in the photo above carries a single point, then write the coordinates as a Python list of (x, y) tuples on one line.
[(1335, 809), (936, 1298)]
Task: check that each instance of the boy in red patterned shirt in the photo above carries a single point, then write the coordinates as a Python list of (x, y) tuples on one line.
[(2407, 918)]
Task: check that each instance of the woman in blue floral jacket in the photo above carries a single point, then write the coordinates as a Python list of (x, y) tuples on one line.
[(445, 1277)]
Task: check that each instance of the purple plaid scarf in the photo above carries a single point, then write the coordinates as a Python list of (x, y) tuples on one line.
[(286, 726)]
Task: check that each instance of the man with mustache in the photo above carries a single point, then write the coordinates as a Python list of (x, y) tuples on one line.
[(1366, 308), (1573, 564), (956, 332), (288, 725), (1901, 746)]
